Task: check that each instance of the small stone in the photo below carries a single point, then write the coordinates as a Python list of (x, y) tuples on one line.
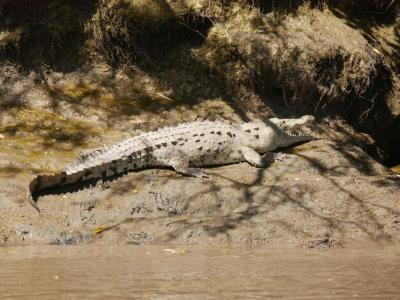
[(175, 251)]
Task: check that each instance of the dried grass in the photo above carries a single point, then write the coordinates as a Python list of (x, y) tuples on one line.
[(312, 57)]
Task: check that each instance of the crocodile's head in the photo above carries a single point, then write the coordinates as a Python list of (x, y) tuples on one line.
[(274, 133)]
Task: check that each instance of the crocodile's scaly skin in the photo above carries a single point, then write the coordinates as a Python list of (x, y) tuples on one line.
[(184, 148)]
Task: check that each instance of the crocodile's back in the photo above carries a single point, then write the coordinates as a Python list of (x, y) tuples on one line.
[(200, 141)]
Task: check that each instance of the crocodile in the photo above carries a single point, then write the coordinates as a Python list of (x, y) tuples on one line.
[(185, 148)]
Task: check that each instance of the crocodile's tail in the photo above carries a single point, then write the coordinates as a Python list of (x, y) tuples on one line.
[(88, 165), (42, 182), (31, 189), (88, 169)]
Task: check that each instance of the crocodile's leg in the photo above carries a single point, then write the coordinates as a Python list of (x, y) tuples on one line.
[(256, 160), (252, 157), (181, 165)]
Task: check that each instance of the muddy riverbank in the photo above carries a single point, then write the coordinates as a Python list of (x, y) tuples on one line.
[(325, 194)]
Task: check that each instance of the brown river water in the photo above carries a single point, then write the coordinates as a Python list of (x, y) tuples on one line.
[(160, 272)]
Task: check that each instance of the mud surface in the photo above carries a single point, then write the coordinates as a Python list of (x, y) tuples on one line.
[(323, 194)]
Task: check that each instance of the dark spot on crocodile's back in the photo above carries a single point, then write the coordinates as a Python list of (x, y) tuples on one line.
[(200, 148), (219, 132), (174, 143), (248, 130), (79, 179), (39, 182), (229, 133), (196, 141), (113, 167), (257, 136), (63, 178), (87, 173), (164, 144)]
